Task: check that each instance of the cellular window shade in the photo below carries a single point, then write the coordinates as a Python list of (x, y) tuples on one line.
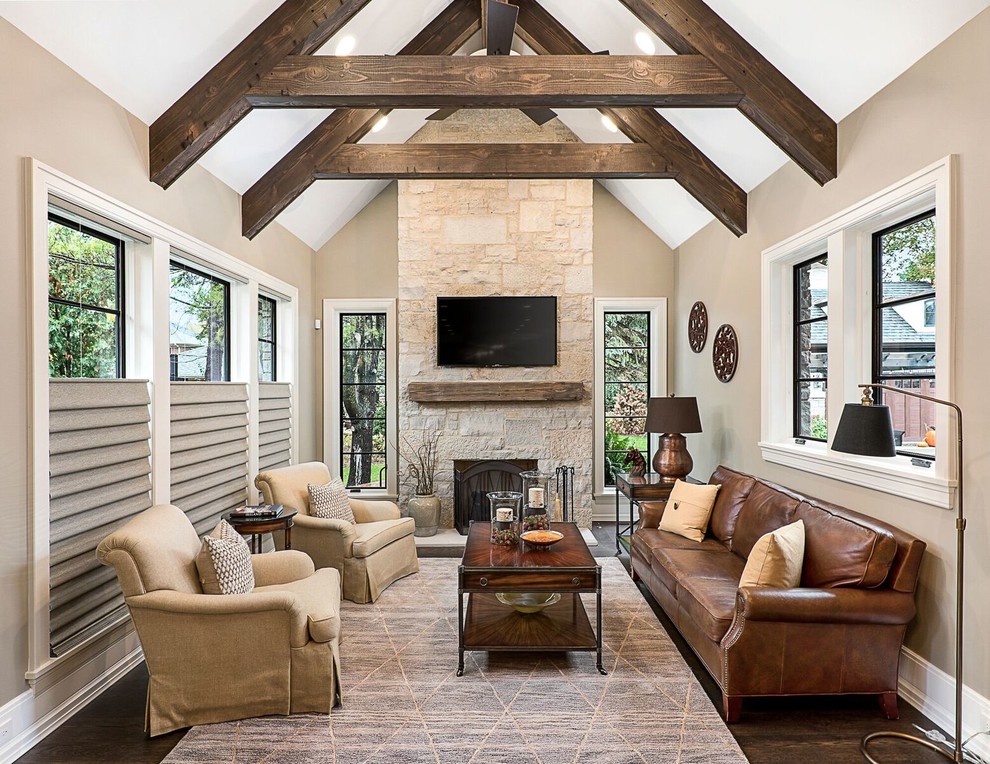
[(275, 425), (209, 449), (99, 477)]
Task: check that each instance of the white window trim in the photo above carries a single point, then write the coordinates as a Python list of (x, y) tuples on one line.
[(847, 237), (146, 301), (331, 390), (657, 308)]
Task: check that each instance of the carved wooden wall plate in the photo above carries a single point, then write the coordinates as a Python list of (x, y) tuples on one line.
[(725, 353), (698, 327)]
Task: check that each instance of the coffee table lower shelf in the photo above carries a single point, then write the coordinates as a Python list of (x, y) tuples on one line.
[(561, 627)]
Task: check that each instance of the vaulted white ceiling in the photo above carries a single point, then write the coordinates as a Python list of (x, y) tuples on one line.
[(146, 53)]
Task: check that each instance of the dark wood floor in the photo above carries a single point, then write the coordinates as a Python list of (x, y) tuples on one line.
[(823, 730)]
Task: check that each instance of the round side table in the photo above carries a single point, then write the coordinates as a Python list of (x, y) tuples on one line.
[(257, 527)]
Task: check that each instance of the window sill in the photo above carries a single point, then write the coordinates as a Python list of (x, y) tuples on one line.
[(894, 476)]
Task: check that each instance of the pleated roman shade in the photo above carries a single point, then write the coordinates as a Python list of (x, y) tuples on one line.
[(209, 449), (100, 476), (275, 425)]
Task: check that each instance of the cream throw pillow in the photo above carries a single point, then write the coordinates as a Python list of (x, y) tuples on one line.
[(688, 510), (330, 501), (224, 562), (776, 559)]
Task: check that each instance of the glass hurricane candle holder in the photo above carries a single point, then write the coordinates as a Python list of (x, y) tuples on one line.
[(505, 516), (537, 505)]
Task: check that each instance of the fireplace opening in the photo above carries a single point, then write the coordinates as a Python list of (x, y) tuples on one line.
[(474, 479)]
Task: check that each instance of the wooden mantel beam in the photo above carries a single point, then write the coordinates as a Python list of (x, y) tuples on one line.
[(694, 171), (450, 161), (293, 174), (772, 102), (500, 82), (211, 107)]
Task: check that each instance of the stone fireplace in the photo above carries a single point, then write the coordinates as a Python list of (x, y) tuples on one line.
[(474, 238)]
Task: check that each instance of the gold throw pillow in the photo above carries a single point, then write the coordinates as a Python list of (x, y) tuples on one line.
[(776, 559), (688, 510)]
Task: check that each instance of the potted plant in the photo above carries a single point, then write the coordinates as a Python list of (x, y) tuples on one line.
[(421, 469)]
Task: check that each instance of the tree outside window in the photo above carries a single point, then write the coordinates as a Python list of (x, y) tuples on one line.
[(85, 294), (363, 398), (266, 339), (627, 388), (199, 317), (811, 349)]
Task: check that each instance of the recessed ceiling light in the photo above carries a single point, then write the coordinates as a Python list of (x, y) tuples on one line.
[(609, 124), (645, 43), (380, 125), (346, 45)]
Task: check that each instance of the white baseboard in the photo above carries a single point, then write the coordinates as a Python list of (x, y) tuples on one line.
[(932, 691), (32, 715)]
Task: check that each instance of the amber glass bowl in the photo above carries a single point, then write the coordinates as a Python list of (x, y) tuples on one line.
[(541, 539)]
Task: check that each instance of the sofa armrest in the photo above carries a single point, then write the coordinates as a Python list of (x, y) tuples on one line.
[(864, 606), (374, 511), (281, 567), (650, 513)]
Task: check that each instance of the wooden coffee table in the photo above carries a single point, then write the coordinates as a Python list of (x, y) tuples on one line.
[(567, 568)]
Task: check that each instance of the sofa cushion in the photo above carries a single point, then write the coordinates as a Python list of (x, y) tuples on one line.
[(674, 566), (709, 602), (319, 596), (841, 549), (373, 536), (735, 490), (767, 508), (776, 558), (688, 509), (652, 538)]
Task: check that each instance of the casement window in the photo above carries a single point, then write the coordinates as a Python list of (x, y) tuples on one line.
[(360, 393), (852, 300), (810, 333), (630, 342), (267, 339), (199, 322), (904, 310), (85, 299)]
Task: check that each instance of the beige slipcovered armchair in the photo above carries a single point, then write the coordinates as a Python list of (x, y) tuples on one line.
[(369, 555), (218, 657)]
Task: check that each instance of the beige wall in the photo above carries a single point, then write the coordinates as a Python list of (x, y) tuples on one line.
[(938, 107), (53, 115)]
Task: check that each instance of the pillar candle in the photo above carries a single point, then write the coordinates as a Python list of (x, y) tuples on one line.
[(536, 497), (503, 514)]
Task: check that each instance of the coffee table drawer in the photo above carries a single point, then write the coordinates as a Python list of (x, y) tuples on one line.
[(536, 580)]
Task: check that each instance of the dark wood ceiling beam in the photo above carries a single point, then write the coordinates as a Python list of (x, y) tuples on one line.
[(694, 171), (501, 82), (211, 107), (293, 174), (772, 102), (455, 161)]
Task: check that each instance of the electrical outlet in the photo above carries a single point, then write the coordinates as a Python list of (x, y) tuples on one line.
[(6, 731)]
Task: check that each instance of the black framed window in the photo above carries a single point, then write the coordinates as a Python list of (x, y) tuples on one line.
[(627, 387), (267, 346), (811, 349), (904, 327), (85, 301), (199, 324), (363, 360)]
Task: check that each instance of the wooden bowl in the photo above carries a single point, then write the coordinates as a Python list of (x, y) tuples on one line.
[(541, 539)]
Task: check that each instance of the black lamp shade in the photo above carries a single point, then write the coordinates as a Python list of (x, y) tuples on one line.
[(673, 415), (865, 430)]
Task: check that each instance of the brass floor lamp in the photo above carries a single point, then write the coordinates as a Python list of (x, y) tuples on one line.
[(866, 429)]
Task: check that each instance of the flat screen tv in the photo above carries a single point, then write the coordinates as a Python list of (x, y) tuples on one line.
[(496, 331)]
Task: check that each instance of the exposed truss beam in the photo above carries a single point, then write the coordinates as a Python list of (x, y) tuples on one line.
[(211, 107), (493, 82), (293, 174), (772, 102), (449, 161), (694, 171)]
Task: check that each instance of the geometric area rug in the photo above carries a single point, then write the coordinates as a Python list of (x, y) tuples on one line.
[(403, 703)]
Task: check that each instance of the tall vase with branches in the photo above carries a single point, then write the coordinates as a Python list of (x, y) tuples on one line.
[(421, 471)]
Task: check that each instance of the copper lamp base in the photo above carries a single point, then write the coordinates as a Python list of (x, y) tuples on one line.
[(672, 460)]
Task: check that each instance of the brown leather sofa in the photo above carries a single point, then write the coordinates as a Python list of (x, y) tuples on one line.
[(839, 633)]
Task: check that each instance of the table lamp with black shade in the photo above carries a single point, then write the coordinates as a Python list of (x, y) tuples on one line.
[(671, 417), (866, 429)]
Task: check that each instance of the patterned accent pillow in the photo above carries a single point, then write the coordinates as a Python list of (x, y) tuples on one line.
[(224, 562), (330, 501)]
